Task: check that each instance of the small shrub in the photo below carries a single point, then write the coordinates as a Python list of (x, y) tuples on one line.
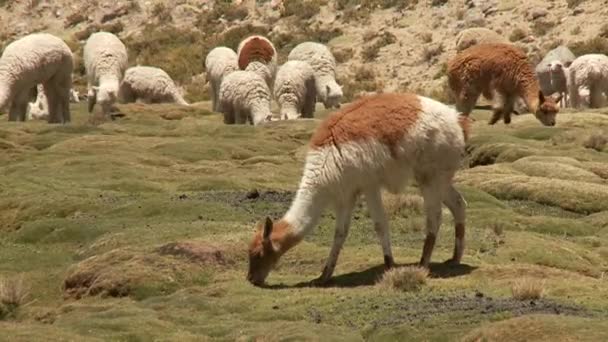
[(429, 53), (426, 37), (364, 80), (517, 35), (343, 55), (593, 45), (301, 9), (162, 12), (603, 31), (574, 3), (541, 27), (411, 278), (435, 3), (442, 71), (596, 141), (460, 12), (403, 204), (576, 30), (229, 11), (13, 294), (370, 53), (528, 289)]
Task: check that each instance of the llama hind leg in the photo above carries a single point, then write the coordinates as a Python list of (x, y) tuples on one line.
[(373, 198), (343, 213), (432, 194), (456, 203), (508, 108)]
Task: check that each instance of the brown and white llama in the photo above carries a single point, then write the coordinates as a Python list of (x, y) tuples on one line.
[(502, 73), (378, 142)]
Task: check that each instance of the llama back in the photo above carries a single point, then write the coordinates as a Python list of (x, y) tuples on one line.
[(255, 49)]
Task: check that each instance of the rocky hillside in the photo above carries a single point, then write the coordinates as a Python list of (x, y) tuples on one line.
[(380, 44)]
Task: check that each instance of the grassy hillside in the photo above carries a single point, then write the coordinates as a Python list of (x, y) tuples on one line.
[(137, 229)]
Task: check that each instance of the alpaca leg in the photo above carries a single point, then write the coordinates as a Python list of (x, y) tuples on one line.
[(455, 202), (498, 107), (343, 214), (310, 101), (229, 114), (431, 192), (373, 198), (18, 109), (509, 106), (595, 96), (54, 106)]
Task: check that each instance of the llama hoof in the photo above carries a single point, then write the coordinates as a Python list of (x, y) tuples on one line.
[(319, 282)]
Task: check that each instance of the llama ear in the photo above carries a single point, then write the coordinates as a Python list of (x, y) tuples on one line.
[(267, 229), (558, 98), (541, 97)]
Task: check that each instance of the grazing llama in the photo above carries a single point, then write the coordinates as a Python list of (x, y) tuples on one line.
[(378, 142), (502, 73)]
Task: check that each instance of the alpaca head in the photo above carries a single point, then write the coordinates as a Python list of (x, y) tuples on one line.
[(263, 254), (333, 95), (548, 107)]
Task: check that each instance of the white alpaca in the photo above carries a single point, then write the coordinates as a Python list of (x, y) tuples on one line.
[(323, 63), (38, 58), (543, 69), (244, 96), (295, 90), (377, 142), (559, 81), (150, 85), (105, 60), (588, 71), (219, 62)]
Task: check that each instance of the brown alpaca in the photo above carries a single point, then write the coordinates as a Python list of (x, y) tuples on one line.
[(255, 49), (502, 73)]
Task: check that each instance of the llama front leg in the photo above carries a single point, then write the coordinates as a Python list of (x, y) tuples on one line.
[(343, 215), (498, 108), (508, 107), (431, 192), (376, 211), (455, 202)]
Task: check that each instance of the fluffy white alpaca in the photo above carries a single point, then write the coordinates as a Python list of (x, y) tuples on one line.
[(244, 97), (295, 90), (105, 60), (38, 58), (219, 62), (323, 63), (591, 72), (150, 85), (378, 142)]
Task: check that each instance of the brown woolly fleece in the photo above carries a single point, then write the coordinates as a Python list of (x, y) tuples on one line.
[(385, 117), (485, 68), (256, 49)]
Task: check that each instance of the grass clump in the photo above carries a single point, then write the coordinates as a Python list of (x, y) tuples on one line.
[(517, 35), (596, 142), (574, 3), (364, 80), (528, 289), (302, 9), (406, 279), (370, 53), (430, 53), (593, 45), (14, 293)]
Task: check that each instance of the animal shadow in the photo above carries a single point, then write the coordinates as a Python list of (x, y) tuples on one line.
[(372, 275)]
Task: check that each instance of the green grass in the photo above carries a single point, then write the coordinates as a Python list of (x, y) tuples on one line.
[(87, 214)]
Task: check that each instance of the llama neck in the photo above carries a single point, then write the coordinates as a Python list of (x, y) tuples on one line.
[(530, 96), (305, 211)]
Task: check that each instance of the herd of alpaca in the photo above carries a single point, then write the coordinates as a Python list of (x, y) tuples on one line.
[(379, 142)]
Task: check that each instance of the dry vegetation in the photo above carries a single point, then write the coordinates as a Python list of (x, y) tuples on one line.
[(407, 279)]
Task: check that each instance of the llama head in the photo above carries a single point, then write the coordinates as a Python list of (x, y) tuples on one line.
[(263, 254), (333, 95), (548, 107)]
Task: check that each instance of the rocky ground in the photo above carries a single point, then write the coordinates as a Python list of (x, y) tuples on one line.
[(381, 45)]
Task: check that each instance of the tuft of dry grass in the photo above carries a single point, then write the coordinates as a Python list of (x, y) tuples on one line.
[(593, 45), (410, 278), (401, 203), (14, 293), (596, 141), (574, 3), (528, 289), (430, 53), (517, 35)]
